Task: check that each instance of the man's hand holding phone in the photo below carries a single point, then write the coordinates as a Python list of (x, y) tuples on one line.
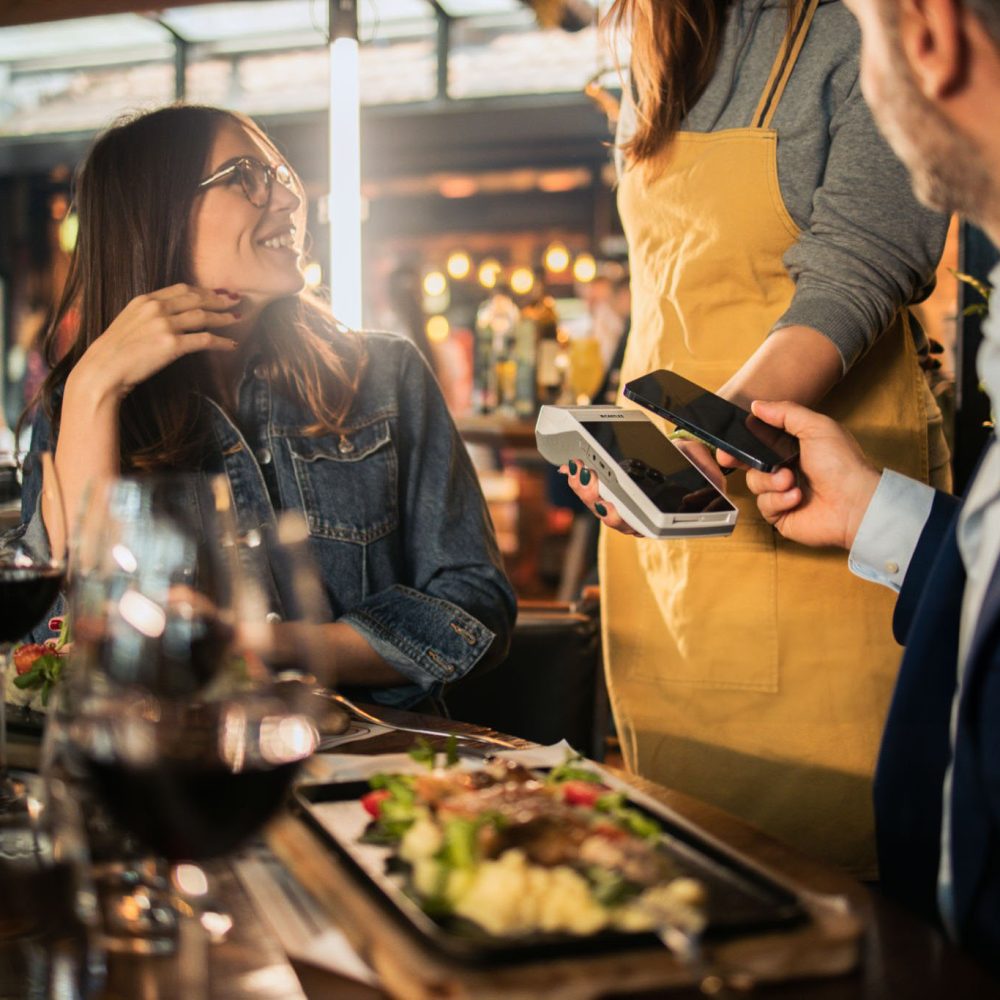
[(835, 479)]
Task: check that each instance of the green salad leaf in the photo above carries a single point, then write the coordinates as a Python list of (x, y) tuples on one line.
[(570, 770), (628, 817), (397, 813), (44, 674), (423, 752)]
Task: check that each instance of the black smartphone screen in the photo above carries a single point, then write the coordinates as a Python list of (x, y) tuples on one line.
[(723, 424), (657, 467)]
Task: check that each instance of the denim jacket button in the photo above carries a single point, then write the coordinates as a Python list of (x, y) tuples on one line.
[(346, 446), (464, 633), (260, 371), (264, 456), (444, 665), (272, 617)]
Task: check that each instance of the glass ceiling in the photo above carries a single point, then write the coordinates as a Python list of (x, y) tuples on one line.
[(259, 24), (269, 57)]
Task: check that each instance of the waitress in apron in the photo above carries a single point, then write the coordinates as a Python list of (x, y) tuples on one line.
[(774, 246)]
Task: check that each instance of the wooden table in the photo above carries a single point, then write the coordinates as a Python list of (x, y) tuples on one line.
[(902, 957)]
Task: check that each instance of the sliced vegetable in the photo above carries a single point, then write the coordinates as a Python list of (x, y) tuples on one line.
[(372, 801), (627, 817), (423, 752), (570, 770), (26, 655), (397, 808), (459, 849), (43, 674), (581, 793), (611, 888)]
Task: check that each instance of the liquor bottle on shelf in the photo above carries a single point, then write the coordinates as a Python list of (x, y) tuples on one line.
[(548, 372), (525, 346), (496, 320)]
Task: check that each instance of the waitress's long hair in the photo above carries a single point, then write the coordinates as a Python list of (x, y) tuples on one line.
[(133, 197), (675, 47)]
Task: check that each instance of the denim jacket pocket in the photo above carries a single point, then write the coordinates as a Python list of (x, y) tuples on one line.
[(348, 482)]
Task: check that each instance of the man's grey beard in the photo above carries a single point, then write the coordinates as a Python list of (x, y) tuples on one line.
[(951, 177), (946, 168)]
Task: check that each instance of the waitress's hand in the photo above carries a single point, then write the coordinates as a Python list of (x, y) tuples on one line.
[(585, 484), (151, 332), (836, 480)]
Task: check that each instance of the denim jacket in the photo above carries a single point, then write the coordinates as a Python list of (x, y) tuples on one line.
[(398, 524)]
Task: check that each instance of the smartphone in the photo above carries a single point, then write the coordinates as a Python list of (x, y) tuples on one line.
[(713, 419), (655, 487)]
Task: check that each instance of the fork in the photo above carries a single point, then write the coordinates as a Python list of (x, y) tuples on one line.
[(358, 712), (681, 934)]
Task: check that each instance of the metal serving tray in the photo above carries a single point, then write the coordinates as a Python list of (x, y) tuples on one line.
[(741, 899)]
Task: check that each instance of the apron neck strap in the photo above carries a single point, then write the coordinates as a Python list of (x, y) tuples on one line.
[(783, 65)]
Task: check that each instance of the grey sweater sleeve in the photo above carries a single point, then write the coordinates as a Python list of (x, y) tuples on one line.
[(869, 247)]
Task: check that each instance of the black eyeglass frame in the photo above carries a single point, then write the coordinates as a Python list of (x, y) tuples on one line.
[(281, 173)]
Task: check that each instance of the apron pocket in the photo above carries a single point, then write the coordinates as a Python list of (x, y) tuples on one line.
[(716, 605)]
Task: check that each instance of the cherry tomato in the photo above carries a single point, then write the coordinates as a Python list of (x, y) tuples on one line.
[(581, 793), (25, 656), (372, 801)]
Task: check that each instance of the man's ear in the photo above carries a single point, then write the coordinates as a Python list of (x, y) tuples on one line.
[(932, 37)]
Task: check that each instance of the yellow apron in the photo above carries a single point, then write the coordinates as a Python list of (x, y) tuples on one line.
[(748, 671)]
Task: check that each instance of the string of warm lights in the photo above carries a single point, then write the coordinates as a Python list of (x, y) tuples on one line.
[(459, 266)]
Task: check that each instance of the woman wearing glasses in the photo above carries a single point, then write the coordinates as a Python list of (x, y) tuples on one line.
[(198, 348)]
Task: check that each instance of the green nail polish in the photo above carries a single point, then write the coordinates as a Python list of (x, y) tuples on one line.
[(584, 476), (572, 468), (601, 509)]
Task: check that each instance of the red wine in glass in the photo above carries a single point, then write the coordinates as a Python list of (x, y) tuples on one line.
[(187, 811), (193, 781), (26, 594)]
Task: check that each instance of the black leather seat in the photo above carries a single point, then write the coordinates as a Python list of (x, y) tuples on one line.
[(550, 686)]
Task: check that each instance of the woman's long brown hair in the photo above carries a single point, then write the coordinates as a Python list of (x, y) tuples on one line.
[(133, 199), (675, 47)]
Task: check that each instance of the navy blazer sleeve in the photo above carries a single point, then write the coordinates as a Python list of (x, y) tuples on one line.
[(935, 530)]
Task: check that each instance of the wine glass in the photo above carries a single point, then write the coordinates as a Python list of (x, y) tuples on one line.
[(48, 920), (188, 737), (32, 568)]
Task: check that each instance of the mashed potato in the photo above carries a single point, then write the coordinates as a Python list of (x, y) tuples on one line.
[(509, 896)]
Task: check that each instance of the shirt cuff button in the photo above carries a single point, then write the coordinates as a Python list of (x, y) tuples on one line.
[(892, 568)]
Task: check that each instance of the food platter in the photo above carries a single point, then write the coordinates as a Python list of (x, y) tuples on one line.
[(741, 899)]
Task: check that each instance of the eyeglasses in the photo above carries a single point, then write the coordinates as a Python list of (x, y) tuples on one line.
[(255, 178)]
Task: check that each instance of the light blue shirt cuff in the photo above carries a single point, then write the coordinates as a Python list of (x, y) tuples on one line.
[(890, 529)]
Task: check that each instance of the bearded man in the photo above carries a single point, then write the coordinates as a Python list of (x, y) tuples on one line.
[(930, 70)]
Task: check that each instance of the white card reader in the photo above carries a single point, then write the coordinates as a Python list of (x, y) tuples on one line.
[(656, 489)]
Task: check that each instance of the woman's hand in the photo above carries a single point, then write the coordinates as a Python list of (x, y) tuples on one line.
[(585, 484), (147, 335), (835, 483), (151, 332)]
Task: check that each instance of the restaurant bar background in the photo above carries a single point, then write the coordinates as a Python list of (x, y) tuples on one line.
[(489, 228)]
